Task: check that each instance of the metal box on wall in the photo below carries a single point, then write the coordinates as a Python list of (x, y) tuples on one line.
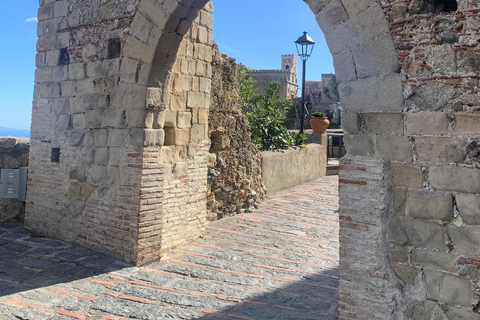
[(13, 183)]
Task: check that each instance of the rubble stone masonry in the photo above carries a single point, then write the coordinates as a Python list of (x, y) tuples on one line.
[(119, 141)]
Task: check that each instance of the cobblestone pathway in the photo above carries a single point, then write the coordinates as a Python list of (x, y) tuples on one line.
[(280, 262)]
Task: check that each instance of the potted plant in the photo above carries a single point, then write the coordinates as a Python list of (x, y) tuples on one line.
[(319, 122)]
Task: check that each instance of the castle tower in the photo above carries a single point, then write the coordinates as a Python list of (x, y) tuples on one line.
[(289, 63)]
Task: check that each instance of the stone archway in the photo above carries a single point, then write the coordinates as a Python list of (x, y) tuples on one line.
[(118, 149)]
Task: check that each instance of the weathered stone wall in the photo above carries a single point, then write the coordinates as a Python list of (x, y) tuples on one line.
[(13, 155), (101, 168), (408, 81), (235, 168)]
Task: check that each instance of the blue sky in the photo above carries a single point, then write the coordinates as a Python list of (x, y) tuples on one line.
[(255, 32)]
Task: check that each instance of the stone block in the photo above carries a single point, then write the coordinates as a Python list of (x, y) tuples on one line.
[(48, 90), (399, 201), (113, 118), (398, 254), (376, 57), (117, 137), (45, 12), (60, 9), (139, 51), (100, 137), (64, 122), (178, 101), (203, 116), (317, 5), (102, 156), (68, 88), (355, 6), (397, 148), (433, 96), (466, 239), (131, 97), (103, 69), (198, 133), (359, 145), (351, 122), (76, 137), (449, 289), (168, 154), (93, 119), (406, 273), (177, 137), (383, 122), (63, 40), (331, 15), (344, 67), (443, 261), (170, 119), (78, 121), (98, 174), (469, 207), (115, 156), (180, 154), (129, 70), (184, 120), (436, 149), (94, 101), (47, 42), (154, 11), (154, 137), (429, 205), (407, 175), (382, 93), (182, 83), (198, 100), (136, 118), (141, 28), (459, 179), (160, 119), (417, 233), (467, 123), (443, 57), (427, 123)]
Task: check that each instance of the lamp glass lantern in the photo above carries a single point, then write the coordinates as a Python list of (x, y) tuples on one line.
[(305, 46)]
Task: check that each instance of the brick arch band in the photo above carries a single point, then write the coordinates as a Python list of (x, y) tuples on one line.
[(119, 144)]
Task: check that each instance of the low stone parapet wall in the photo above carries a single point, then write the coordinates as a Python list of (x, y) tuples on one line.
[(282, 169), (13, 155)]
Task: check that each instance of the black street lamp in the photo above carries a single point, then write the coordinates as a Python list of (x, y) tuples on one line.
[(305, 46)]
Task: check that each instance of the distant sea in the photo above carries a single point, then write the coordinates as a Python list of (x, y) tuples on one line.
[(18, 133)]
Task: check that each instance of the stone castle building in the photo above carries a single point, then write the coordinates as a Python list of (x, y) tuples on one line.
[(287, 76)]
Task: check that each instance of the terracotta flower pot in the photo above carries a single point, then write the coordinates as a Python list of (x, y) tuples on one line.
[(319, 124)]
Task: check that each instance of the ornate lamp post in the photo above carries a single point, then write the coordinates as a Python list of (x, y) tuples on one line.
[(305, 46)]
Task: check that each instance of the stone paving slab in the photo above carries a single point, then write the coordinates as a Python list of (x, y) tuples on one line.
[(279, 262)]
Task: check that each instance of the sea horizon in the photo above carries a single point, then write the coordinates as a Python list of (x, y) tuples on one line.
[(17, 133)]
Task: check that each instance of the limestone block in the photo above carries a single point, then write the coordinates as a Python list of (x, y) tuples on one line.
[(467, 123), (180, 154), (52, 58), (63, 40), (469, 208), (449, 289), (129, 70), (203, 116), (131, 96), (95, 101), (170, 119), (168, 154), (117, 137), (396, 148), (85, 87), (45, 12), (60, 9), (48, 90), (47, 42), (40, 59), (139, 51), (201, 69), (178, 101), (115, 156), (182, 83), (76, 137), (373, 94), (184, 120), (149, 119), (98, 174), (141, 28), (198, 100), (63, 122), (344, 66), (406, 273), (455, 179), (100, 137), (76, 71), (178, 137), (433, 149), (102, 69), (102, 156), (205, 85), (113, 118), (78, 173), (431, 123), (417, 233), (355, 6), (78, 121), (398, 254), (198, 133), (466, 239), (93, 119), (68, 88), (383, 122), (160, 119), (332, 14), (359, 145), (317, 5), (399, 201), (155, 12), (351, 122), (51, 74), (428, 205), (154, 137), (443, 261), (376, 57), (407, 175)]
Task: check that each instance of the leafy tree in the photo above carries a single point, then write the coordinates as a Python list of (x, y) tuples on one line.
[(266, 114)]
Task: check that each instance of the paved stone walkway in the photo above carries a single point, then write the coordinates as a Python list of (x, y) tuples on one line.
[(280, 262)]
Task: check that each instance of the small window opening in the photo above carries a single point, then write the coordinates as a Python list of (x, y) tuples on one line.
[(114, 48), (55, 155), (287, 67), (64, 57)]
